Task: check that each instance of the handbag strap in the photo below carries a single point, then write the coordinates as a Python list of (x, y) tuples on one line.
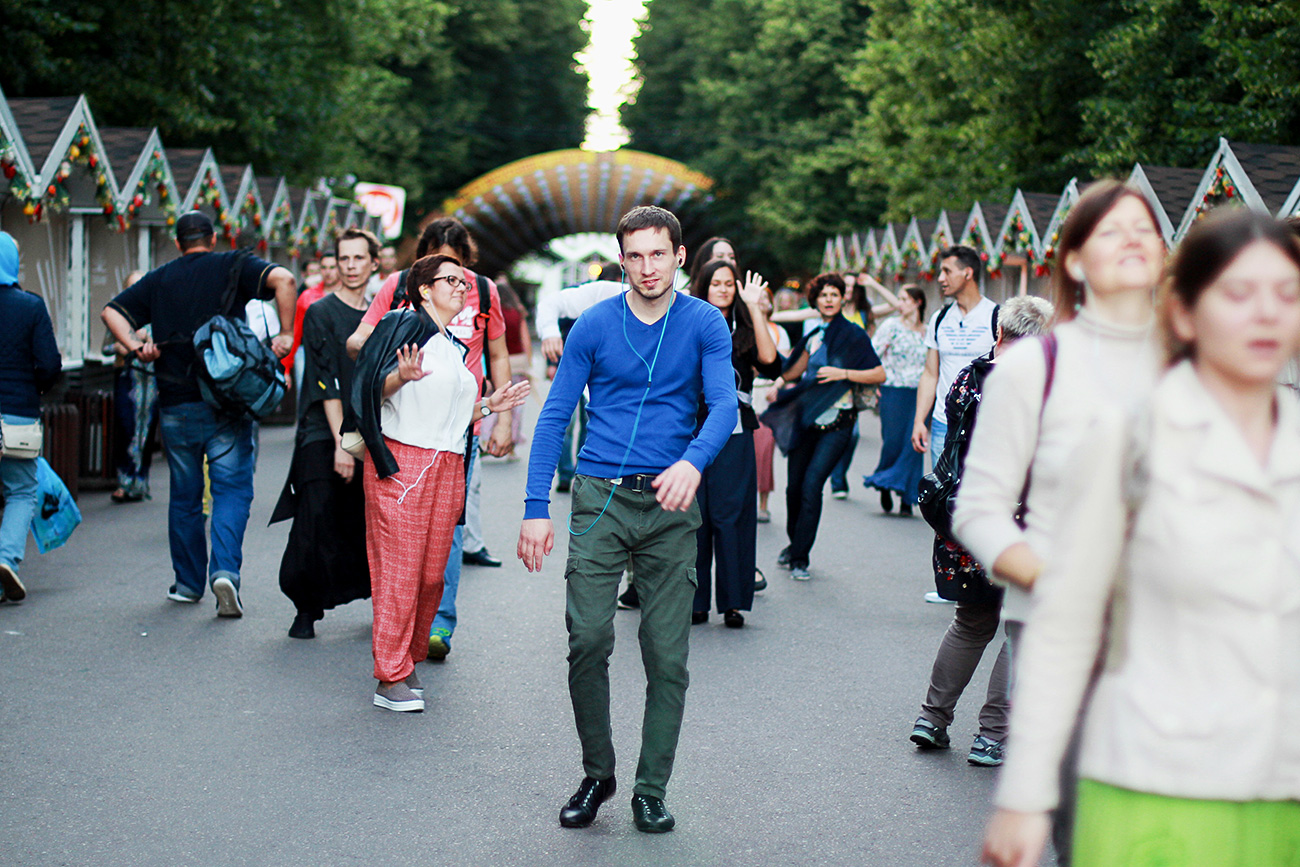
[(1048, 343)]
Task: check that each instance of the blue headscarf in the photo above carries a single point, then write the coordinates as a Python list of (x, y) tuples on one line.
[(8, 259)]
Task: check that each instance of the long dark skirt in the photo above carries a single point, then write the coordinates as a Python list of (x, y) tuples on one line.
[(324, 564), (728, 533), (900, 465)]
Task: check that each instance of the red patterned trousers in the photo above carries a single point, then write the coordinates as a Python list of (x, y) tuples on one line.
[(410, 519)]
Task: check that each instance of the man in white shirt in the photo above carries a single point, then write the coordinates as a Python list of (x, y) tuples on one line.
[(962, 330), (954, 338)]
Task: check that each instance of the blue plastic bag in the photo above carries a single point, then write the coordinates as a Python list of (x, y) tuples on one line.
[(56, 514)]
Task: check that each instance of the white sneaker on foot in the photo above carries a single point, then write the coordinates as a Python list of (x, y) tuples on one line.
[(227, 598), (399, 697), (934, 597)]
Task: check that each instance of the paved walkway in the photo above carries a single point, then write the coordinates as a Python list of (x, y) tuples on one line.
[(134, 731)]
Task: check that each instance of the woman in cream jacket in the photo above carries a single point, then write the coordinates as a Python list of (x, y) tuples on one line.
[(1187, 516)]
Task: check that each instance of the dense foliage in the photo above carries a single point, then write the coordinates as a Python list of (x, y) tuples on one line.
[(427, 94), (821, 116)]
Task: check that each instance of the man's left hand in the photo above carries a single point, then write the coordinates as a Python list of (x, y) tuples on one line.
[(676, 486), (281, 344)]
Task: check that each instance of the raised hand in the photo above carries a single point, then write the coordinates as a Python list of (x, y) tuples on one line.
[(508, 397), (410, 363), (753, 289)]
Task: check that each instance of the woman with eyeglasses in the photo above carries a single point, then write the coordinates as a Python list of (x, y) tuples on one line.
[(415, 403)]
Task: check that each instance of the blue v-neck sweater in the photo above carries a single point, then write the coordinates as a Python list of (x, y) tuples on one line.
[(610, 352)]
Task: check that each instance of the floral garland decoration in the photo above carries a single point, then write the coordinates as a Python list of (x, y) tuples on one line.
[(1222, 191), (20, 186), (211, 196), (153, 180), (973, 238)]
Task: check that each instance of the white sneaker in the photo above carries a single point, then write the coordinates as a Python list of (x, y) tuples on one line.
[(227, 598), (800, 573), (14, 591), (933, 596)]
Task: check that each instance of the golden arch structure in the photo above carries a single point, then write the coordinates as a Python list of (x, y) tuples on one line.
[(523, 205)]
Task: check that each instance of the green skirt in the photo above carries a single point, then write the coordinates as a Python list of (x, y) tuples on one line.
[(1117, 827)]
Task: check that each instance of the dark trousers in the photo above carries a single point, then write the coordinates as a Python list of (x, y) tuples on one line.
[(840, 474), (973, 626), (662, 547), (811, 462), (728, 534)]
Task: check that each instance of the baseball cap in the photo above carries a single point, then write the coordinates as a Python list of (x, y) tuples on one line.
[(193, 225)]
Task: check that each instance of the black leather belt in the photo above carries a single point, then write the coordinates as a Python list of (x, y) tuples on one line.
[(636, 483)]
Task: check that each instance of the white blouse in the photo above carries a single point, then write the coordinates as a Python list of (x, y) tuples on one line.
[(433, 412), (1200, 694)]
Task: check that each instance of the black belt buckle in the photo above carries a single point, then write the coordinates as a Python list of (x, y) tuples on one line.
[(636, 483)]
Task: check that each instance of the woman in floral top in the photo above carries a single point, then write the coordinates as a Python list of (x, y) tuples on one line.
[(900, 341)]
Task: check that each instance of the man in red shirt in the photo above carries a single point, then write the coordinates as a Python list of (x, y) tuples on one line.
[(447, 236)]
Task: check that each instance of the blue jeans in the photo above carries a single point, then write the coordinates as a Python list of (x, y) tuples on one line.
[(810, 465), (190, 432), (938, 433), (446, 616), (18, 477)]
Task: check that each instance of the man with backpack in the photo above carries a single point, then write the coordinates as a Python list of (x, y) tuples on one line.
[(481, 326), (187, 296), (957, 576)]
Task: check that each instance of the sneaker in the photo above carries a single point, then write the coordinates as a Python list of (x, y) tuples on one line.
[(783, 559), (800, 573), (929, 736), (985, 752), (176, 594), (764, 516), (398, 697), (414, 685), (14, 590), (227, 598), (933, 597), (840, 495), (760, 581), (629, 599), (439, 643)]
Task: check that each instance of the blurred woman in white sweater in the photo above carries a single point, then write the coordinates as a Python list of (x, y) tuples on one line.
[(1110, 257), (1177, 557)]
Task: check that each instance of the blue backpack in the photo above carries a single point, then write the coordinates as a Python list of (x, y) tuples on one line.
[(238, 374)]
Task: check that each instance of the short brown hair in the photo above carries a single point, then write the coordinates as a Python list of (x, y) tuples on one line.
[(422, 274), (820, 282), (448, 232), (650, 217), (352, 233)]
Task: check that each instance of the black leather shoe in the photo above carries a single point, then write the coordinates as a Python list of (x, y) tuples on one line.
[(698, 617), (650, 815), (581, 809), (734, 619), (481, 557)]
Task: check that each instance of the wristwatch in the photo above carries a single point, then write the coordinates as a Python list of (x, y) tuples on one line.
[(483, 408)]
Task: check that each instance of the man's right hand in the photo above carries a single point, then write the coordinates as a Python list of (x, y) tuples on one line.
[(148, 351), (552, 348), (536, 539), (920, 437)]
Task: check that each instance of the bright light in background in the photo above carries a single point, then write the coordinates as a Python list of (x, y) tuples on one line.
[(607, 60)]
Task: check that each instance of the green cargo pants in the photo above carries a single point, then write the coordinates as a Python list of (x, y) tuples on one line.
[(662, 547)]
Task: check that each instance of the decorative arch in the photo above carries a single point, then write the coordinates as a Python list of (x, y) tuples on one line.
[(523, 205)]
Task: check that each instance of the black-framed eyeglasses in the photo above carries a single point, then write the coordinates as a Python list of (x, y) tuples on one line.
[(454, 281)]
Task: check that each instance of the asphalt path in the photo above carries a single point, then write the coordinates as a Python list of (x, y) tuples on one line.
[(136, 731)]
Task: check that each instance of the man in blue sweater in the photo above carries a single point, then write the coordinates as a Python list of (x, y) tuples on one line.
[(646, 357)]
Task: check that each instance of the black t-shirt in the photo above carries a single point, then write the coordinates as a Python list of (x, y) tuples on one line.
[(179, 297), (327, 375)]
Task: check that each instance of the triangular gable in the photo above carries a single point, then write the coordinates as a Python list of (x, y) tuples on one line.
[(855, 252), (914, 246), (841, 255), (146, 188), (306, 236), (941, 238), (73, 170), (1139, 180), (1225, 180), (17, 174), (278, 225), (870, 252), (245, 197), (976, 235), (1052, 234), (207, 193), (828, 256), (1018, 234), (890, 256)]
